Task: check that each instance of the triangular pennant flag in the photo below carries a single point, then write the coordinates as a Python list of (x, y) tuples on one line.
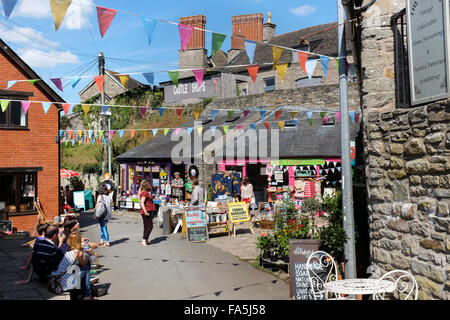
[(166, 131), (177, 131), (4, 104), (105, 109), (11, 83), (124, 80), (302, 58), (104, 141), (174, 76), (61, 132), (70, 133), (253, 72), (200, 130), (230, 113), (294, 115), (338, 116), (99, 81), (325, 61), (155, 132), (225, 129), (278, 114), (262, 113), (75, 82), (111, 134), (150, 77), (67, 142), (189, 130), (145, 133), (93, 141), (239, 127), (352, 115), (185, 35), (100, 133), (57, 82), (132, 132), (215, 84), (326, 171), (161, 111), (214, 113), (73, 142), (332, 170), (80, 133), (281, 68), (327, 162), (217, 41), (250, 47), (357, 117), (325, 120), (25, 106), (8, 6), (121, 132), (32, 81), (90, 132), (281, 124), (277, 52), (246, 113), (267, 124), (309, 114), (46, 106), (213, 130), (143, 111), (323, 115), (86, 108), (66, 108), (59, 9), (310, 67), (179, 113), (311, 121), (197, 114), (105, 16), (253, 126), (338, 169), (337, 64), (149, 26), (199, 73)]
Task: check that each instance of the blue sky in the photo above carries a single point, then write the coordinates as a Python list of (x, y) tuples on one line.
[(74, 47)]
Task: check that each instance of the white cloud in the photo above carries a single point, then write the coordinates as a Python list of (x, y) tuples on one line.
[(36, 58), (33, 9), (303, 10), (26, 36)]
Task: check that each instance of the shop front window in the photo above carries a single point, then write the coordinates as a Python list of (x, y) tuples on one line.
[(18, 192)]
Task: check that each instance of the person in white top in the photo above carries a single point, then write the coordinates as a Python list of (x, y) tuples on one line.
[(246, 191)]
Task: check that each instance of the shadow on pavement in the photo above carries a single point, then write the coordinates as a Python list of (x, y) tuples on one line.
[(158, 240), (116, 242)]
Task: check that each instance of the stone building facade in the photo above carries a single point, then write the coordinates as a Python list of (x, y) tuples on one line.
[(407, 157)]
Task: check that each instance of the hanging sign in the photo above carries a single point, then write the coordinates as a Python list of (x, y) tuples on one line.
[(428, 48)]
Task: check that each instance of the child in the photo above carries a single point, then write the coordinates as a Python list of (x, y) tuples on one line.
[(41, 231)]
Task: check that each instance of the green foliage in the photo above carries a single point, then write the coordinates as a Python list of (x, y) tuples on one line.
[(311, 205)]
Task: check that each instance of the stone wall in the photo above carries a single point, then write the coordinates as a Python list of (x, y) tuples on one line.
[(407, 166)]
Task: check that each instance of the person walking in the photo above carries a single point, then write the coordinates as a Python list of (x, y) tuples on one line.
[(104, 197), (147, 210), (198, 195), (247, 191)]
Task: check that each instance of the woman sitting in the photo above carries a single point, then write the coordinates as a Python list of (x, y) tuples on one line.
[(75, 255)]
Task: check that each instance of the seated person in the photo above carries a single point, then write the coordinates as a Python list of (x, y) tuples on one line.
[(41, 231), (75, 255), (46, 255)]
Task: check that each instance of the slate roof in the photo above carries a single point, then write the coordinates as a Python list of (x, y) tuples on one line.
[(132, 83)]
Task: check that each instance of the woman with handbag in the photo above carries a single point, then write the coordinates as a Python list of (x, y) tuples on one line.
[(147, 210), (63, 279), (104, 216)]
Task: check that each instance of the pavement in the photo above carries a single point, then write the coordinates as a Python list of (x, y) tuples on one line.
[(169, 269)]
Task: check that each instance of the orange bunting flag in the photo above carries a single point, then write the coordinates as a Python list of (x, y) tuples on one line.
[(66, 108), (278, 114), (302, 58), (99, 81), (281, 68), (294, 115), (132, 132), (105, 17), (253, 72), (267, 124), (179, 113)]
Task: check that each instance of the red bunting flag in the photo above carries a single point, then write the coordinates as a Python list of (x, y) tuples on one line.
[(253, 72), (179, 112), (99, 81), (70, 134), (267, 124), (132, 132), (66, 107), (357, 117), (105, 17), (278, 114), (302, 58)]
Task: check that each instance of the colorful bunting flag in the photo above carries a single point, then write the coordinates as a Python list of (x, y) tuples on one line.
[(105, 109), (57, 82), (166, 131), (143, 111), (32, 81), (8, 6), (200, 130), (4, 104), (277, 52), (296, 123), (199, 73), (155, 132), (86, 108), (262, 113), (111, 134), (253, 126), (25, 106), (225, 128), (217, 41), (59, 9), (161, 111), (281, 68), (357, 117), (66, 108), (352, 115), (213, 130), (189, 130), (302, 58), (179, 113), (70, 133), (253, 72), (278, 114), (337, 64), (105, 16), (323, 115), (246, 113), (11, 83), (61, 132), (150, 77), (132, 133), (99, 81), (197, 113), (124, 80), (149, 26), (214, 113), (46, 106), (239, 127), (230, 113), (75, 82), (174, 76), (309, 115), (145, 133), (325, 120), (310, 67), (294, 115), (185, 35), (338, 116), (250, 47), (90, 132), (215, 84), (325, 61), (281, 124), (267, 124), (121, 132), (177, 131)]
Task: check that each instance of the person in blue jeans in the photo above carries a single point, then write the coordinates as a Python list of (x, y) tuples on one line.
[(104, 196)]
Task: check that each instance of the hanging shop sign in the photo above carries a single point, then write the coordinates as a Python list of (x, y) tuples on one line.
[(298, 162), (428, 48)]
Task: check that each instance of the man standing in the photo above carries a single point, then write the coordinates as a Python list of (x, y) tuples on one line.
[(198, 195), (177, 186)]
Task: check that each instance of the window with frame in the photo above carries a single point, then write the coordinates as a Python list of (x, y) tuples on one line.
[(13, 116), (269, 84), (18, 191)]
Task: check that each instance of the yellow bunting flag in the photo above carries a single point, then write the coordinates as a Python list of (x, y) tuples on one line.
[(277, 52), (196, 114), (294, 115), (145, 133), (281, 68), (86, 109), (124, 79), (281, 123), (59, 9), (80, 133), (200, 130)]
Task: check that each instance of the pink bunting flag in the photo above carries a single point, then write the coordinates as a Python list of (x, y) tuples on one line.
[(325, 120), (58, 83), (99, 81), (177, 131), (239, 126), (185, 35), (338, 116), (199, 76), (215, 85), (105, 17), (143, 111), (25, 106), (111, 133)]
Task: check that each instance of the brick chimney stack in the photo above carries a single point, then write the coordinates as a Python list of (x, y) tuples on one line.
[(247, 26), (196, 53), (269, 29)]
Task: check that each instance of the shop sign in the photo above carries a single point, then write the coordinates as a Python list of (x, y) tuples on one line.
[(188, 186), (298, 162), (195, 224), (238, 212), (304, 173), (428, 48)]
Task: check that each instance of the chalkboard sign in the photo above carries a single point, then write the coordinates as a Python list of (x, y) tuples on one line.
[(299, 252), (197, 234), (6, 226), (238, 212)]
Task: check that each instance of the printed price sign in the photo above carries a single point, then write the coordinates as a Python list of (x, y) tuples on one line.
[(238, 212)]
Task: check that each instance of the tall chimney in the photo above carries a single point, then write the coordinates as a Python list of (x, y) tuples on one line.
[(196, 54), (269, 30), (247, 26)]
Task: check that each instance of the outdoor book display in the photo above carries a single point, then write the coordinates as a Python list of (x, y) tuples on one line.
[(218, 221), (238, 213)]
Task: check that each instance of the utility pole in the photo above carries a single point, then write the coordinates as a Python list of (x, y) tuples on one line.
[(101, 71), (347, 187)]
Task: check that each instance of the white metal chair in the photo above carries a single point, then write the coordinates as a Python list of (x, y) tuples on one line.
[(404, 286), (321, 269)]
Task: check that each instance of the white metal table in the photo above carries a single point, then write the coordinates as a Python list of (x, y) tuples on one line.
[(358, 286)]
